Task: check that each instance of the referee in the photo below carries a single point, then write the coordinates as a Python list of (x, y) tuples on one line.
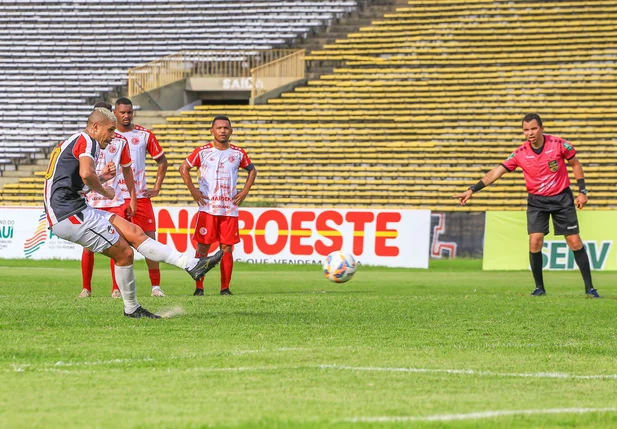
[(543, 160)]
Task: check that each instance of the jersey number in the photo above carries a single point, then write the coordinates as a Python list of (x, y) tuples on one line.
[(52, 163)]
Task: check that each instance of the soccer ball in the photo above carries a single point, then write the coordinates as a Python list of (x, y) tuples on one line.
[(339, 267)]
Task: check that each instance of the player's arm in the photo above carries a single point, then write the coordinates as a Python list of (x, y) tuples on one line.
[(160, 176), (88, 174), (129, 181), (579, 175), (488, 179), (185, 172), (241, 196)]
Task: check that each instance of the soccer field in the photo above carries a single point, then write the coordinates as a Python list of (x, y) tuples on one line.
[(448, 347)]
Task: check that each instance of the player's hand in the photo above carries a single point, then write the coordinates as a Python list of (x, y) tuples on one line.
[(199, 197), (581, 200), (464, 197), (108, 172), (149, 193), (109, 192), (132, 208), (240, 197)]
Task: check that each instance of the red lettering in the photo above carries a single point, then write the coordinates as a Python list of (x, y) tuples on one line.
[(178, 235), (246, 223), (382, 233), (321, 225), (359, 220), (298, 233), (260, 232)]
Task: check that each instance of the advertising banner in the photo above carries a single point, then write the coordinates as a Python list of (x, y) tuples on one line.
[(506, 243), (394, 238)]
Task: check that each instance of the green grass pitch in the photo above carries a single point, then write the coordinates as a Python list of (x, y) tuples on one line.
[(451, 346)]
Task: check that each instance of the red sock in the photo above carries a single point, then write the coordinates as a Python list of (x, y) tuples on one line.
[(227, 266), (112, 266), (87, 266), (155, 276), (199, 284)]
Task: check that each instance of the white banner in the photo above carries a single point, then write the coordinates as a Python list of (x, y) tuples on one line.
[(394, 238)]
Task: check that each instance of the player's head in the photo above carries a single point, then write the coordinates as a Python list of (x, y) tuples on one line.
[(532, 128), (221, 129), (103, 104), (124, 111), (101, 126)]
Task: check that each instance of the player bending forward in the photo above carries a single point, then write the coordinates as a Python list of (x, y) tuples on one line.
[(71, 166), (217, 220)]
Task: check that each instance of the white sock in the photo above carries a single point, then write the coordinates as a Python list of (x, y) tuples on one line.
[(160, 252), (125, 277)]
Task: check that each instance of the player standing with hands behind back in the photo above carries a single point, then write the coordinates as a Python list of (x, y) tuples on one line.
[(142, 141), (217, 220), (543, 161)]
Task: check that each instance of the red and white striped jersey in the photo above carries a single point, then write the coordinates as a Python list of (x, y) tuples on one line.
[(141, 140), (63, 192), (218, 171), (117, 151)]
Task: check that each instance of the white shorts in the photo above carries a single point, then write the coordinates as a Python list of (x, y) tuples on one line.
[(90, 228)]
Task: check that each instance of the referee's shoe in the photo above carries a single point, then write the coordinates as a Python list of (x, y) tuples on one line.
[(538, 292), (593, 293)]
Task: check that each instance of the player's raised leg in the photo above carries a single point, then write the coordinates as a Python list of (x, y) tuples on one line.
[(152, 249)]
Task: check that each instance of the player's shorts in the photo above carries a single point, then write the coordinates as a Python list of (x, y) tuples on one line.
[(119, 210), (90, 228), (144, 217), (210, 229), (560, 207)]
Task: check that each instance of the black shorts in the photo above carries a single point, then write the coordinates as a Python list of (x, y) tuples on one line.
[(560, 207)]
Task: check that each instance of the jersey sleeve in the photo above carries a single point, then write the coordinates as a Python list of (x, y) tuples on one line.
[(511, 162), (154, 148), (125, 156), (85, 147), (194, 160), (245, 161), (567, 150)]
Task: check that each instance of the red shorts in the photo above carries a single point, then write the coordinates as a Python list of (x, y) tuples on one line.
[(144, 217), (119, 210), (210, 229)]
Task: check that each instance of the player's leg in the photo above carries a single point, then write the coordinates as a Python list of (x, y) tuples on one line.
[(144, 218), (115, 289), (537, 228), (565, 222), (91, 228), (156, 251), (87, 267), (229, 236), (205, 234)]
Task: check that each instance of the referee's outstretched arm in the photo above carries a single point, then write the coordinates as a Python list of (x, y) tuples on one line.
[(488, 179)]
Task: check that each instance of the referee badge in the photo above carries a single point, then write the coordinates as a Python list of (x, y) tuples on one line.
[(552, 165)]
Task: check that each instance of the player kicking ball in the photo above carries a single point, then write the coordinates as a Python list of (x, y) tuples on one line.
[(71, 166)]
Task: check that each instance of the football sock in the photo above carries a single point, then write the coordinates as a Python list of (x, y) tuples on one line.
[(159, 252), (87, 266), (580, 256), (125, 276), (227, 266), (112, 266), (199, 284), (155, 277), (535, 261)]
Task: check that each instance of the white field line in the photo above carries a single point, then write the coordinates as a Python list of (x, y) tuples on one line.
[(475, 372), (478, 415)]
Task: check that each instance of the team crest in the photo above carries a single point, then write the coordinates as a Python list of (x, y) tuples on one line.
[(552, 165), (232, 158), (112, 149), (203, 231), (110, 229), (135, 140)]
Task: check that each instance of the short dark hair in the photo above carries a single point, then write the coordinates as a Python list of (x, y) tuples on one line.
[(124, 100), (532, 116), (103, 104), (222, 118)]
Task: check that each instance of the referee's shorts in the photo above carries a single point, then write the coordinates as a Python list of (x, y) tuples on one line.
[(560, 207)]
